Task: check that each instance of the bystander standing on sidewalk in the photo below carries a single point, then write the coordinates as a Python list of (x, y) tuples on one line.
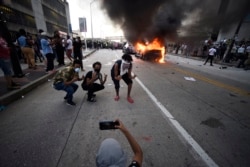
[(247, 62), (5, 63), (242, 56), (69, 48), (77, 50), (47, 50), (57, 41), (211, 54), (26, 48)]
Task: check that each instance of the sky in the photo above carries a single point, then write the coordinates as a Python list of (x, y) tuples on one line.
[(102, 25)]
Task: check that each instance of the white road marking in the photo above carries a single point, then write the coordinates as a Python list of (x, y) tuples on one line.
[(197, 148)]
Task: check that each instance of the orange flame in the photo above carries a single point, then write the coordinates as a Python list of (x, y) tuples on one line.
[(154, 45)]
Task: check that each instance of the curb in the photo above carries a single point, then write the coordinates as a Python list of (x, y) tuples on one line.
[(17, 94)]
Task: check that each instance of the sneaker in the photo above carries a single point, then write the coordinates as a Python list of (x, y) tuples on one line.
[(130, 100), (91, 100), (93, 95), (116, 98), (71, 103)]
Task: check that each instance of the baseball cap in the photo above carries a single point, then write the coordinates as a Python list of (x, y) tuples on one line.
[(110, 154)]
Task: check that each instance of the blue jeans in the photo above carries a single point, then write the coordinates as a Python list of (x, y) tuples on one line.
[(5, 65), (70, 89)]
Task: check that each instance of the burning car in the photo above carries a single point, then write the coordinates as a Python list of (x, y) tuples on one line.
[(153, 51), (152, 55), (129, 48)]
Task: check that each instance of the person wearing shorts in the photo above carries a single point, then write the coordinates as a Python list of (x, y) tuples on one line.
[(122, 70)]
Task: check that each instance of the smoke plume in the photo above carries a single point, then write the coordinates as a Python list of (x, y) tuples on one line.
[(146, 19)]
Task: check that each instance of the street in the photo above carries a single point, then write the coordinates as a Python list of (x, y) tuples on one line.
[(185, 114)]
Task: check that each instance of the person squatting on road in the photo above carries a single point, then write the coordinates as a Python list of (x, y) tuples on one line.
[(65, 78), (48, 52), (110, 152), (89, 84), (122, 70), (211, 54)]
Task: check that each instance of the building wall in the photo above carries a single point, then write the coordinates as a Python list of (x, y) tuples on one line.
[(49, 15)]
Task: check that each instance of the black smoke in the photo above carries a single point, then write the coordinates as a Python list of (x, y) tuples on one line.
[(146, 19)]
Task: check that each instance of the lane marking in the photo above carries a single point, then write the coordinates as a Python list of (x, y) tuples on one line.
[(197, 148), (214, 82)]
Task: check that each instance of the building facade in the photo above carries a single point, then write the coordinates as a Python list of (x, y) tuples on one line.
[(32, 15)]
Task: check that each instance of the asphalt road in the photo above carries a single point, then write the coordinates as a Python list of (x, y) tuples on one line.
[(185, 114)]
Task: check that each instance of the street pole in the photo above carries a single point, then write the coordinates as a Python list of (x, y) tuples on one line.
[(228, 51), (91, 23)]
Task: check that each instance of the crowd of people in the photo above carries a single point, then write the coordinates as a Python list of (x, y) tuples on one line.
[(239, 54), (33, 48)]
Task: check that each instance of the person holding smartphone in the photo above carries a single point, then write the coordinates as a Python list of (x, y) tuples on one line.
[(110, 152), (89, 84)]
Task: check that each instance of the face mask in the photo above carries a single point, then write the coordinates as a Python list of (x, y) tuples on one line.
[(126, 62), (77, 70), (97, 70)]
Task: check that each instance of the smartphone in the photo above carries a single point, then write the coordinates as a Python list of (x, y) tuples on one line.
[(107, 125)]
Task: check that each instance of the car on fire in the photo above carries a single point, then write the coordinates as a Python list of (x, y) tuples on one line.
[(129, 48), (150, 55)]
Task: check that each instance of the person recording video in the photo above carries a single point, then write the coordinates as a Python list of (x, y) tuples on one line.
[(110, 152)]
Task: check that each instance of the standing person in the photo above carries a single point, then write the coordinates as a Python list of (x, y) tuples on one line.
[(38, 54), (48, 52), (122, 70), (110, 152), (39, 36), (64, 80), (14, 58), (25, 43), (77, 49), (242, 56), (5, 63), (57, 40), (89, 84), (69, 47), (211, 54)]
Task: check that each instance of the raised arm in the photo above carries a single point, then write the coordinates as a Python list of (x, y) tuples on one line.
[(138, 154)]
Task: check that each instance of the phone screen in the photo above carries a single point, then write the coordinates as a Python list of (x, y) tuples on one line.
[(106, 125)]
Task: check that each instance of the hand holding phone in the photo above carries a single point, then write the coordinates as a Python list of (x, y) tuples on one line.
[(107, 125)]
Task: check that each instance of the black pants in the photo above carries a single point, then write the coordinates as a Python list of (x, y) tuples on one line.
[(78, 56), (209, 58), (50, 61), (92, 88), (18, 72), (125, 78), (60, 55)]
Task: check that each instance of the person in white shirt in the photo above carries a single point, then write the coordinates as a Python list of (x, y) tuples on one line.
[(242, 56), (211, 54), (69, 48)]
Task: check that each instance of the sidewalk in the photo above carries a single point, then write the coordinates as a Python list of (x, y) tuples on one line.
[(215, 61), (32, 79)]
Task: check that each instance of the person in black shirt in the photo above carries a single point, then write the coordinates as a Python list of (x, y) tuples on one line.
[(122, 70), (110, 152), (89, 84)]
